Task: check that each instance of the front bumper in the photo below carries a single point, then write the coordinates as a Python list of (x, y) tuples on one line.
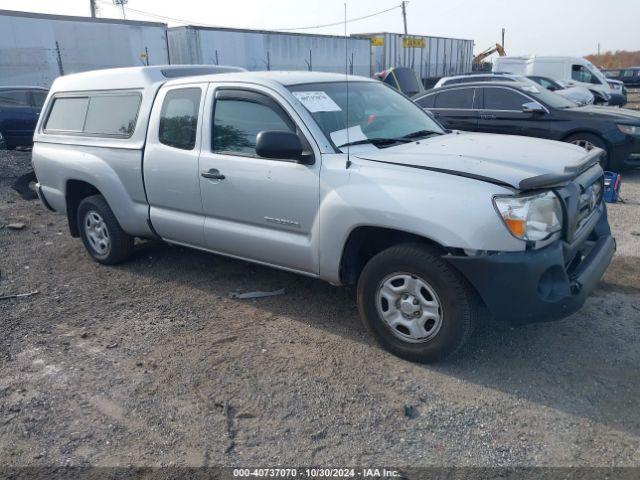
[(618, 100), (541, 285)]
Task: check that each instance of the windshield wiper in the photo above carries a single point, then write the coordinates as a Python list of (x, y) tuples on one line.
[(421, 134), (376, 141)]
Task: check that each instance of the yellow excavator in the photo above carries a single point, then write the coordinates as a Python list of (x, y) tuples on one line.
[(478, 59)]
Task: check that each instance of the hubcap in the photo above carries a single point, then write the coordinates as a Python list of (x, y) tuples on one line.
[(409, 307), (97, 233)]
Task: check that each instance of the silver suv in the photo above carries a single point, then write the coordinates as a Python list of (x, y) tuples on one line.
[(346, 181)]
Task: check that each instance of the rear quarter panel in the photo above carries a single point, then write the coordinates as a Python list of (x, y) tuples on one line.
[(115, 172)]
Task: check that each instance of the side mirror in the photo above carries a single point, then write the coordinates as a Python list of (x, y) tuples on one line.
[(279, 145), (533, 107)]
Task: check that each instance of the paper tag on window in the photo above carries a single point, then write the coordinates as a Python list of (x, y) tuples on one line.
[(352, 134), (317, 101)]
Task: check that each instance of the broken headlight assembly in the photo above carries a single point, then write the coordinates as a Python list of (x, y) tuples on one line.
[(531, 218)]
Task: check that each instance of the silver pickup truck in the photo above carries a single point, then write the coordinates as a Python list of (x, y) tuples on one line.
[(346, 181)]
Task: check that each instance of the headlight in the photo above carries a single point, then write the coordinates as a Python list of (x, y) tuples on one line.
[(630, 130), (531, 218)]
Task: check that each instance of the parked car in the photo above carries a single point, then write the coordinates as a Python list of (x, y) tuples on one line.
[(403, 79), (629, 76), (522, 109), (348, 182), (580, 95), (19, 111), (574, 71)]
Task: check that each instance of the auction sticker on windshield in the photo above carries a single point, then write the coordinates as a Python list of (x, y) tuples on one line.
[(317, 101)]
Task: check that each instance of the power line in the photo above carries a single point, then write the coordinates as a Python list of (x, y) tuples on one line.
[(310, 27), (357, 19)]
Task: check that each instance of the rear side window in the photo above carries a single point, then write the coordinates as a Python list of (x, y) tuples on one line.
[(503, 99), (427, 102), (13, 98), (237, 123), (38, 98), (97, 115), (112, 115), (461, 98), (68, 114), (179, 118)]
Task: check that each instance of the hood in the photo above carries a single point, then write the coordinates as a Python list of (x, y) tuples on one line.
[(612, 114), (519, 162)]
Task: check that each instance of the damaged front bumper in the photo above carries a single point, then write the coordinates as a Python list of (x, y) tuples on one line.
[(541, 285)]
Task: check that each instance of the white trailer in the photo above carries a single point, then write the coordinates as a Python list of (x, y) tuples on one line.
[(267, 50), (37, 48), (429, 57)]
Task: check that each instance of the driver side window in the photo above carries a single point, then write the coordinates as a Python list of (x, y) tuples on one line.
[(580, 73), (237, 121)]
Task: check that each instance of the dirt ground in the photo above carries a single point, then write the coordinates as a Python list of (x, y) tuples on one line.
[(151, 363)]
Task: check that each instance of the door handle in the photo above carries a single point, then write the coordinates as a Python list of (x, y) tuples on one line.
[(488, 117), (213, 174)]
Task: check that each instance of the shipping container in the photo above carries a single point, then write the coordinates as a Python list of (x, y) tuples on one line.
[(429, 57), (267, 50), (37, 48)]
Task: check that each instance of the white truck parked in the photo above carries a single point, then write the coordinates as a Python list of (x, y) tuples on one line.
[(432, 226), (572, 71)]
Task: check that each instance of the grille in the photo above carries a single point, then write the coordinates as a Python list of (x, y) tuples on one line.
[(590, 199)]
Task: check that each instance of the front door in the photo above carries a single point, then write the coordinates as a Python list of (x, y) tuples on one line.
[(502, 113), (255, 208)]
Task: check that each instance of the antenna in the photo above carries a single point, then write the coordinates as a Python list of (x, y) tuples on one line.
[(346, 74)]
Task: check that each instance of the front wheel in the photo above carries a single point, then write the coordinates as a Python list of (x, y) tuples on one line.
[(415, 304), (101, 233), (589, 141)]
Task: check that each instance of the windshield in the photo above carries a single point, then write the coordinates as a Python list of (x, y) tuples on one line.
[(551, 99), (379, 116)]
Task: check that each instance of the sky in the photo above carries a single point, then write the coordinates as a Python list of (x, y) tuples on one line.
[(543, 27)]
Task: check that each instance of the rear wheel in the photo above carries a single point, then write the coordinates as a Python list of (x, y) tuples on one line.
[(415, 304), (101, 233), (589, 141)]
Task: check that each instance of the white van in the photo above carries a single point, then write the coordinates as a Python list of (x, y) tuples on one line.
[(574, 71)]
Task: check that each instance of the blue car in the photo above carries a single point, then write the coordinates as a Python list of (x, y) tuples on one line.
[(19, 111)]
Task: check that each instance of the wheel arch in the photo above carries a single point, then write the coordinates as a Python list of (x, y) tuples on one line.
[(578, 131), (75, 192), (365, 241)]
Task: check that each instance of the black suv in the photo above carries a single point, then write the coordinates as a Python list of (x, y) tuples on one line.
[(523, 109), (19, 111), (629, 76)]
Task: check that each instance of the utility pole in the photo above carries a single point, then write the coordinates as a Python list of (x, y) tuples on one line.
[(503, 32), (404, 15), (598, 49), (122, 3), (92, 7)]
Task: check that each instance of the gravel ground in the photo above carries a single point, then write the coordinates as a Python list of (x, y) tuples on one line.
[(150, 363), (634, 99)]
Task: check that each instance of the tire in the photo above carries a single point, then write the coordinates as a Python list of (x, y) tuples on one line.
[(25, 186), (101, 233), (417, 268), (588, 141)]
